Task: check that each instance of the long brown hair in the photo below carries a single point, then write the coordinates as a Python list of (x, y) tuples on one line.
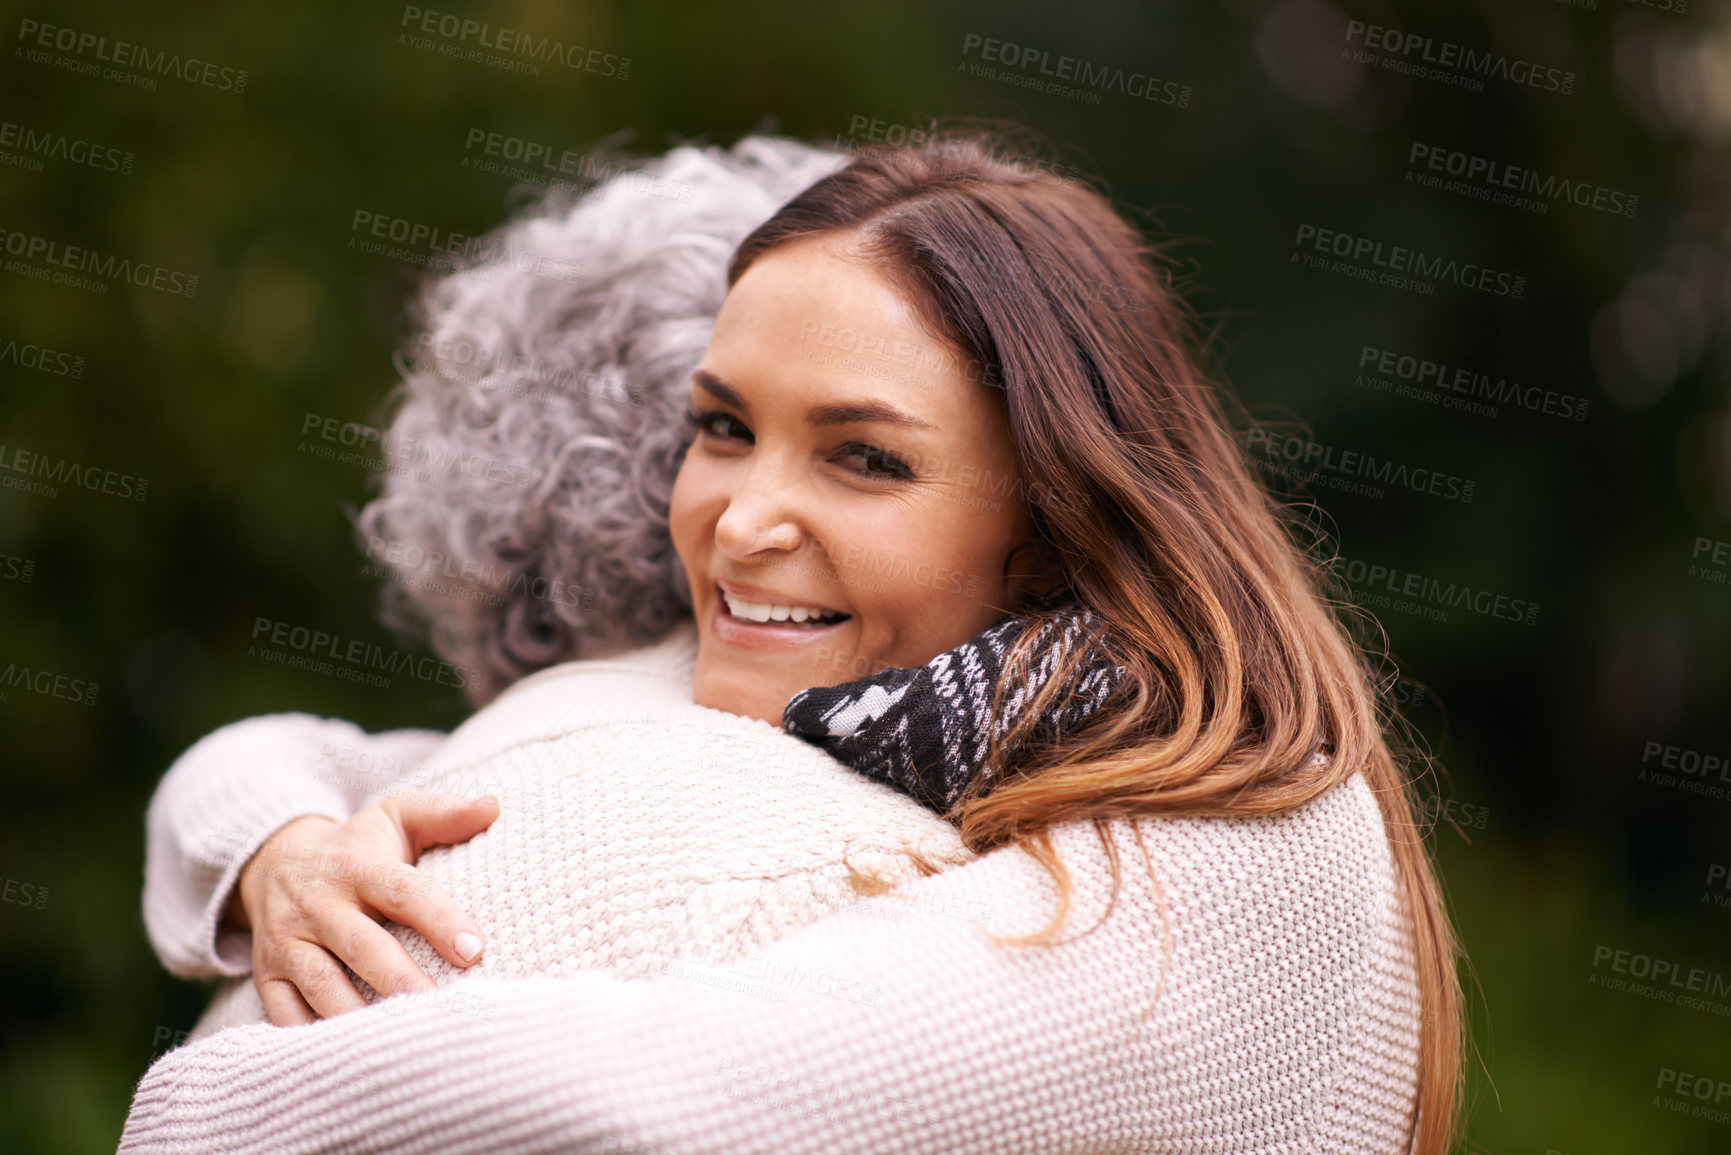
[(1241, 664)]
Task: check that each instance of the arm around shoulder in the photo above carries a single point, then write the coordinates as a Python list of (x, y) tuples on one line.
[(227, 794), (896, 1024)]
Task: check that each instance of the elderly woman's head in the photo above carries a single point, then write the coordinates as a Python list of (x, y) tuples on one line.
[(531, 525)]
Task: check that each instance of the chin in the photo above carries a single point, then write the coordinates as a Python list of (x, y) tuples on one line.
[(720, 691), (752, 667)]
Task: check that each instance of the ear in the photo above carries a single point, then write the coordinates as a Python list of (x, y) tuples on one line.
[(1032, 572)]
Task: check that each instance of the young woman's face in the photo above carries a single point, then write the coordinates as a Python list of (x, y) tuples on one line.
[(847, 464)]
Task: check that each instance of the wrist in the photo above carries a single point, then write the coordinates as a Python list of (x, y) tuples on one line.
[(236, 910)]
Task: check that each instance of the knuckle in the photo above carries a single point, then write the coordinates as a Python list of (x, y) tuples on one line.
[(319, 984), (268, 962), (403, 983), (393, 880), (303, 903), (356, 943), (343, 861)]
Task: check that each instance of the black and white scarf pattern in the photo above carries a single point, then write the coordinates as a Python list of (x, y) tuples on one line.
[(926, 730)]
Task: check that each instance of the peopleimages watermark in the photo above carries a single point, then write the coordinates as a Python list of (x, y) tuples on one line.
[(16, 569), (865, 131), (1680, 768), (1028, 67), (24, 893), (446, 574), (41, 358), (172, 1036), (1676, 7), (1397, 266), (36, 145), (891, 357), (1707, 555), (863, 569), (352, 767), (1659, 979), (452, 997), (66, 688), (127, 63), (64, 264), (431, 247), (367, 772), (1456, 387), (503, 370), (1302, 460), (352, 659), (519, 158), (416, 457), (1463, 816), (1389, 587), (1719, 876), (62, 471), (1512, 186), (1446, 62), (509, 49), (1709, 1095), (322, 868)]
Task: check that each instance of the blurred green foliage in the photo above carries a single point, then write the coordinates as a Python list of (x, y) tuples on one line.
[(1541, 726)]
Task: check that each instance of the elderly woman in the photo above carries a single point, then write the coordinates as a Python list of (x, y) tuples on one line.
[(1170, 686)]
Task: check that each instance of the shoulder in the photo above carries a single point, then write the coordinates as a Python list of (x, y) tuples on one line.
[(1335, 836), (648, 685), (1333, 845), (1288, 963), (671, 659), (1312, 885)]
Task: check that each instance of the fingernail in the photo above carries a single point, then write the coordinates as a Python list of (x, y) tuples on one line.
[(468, 945)]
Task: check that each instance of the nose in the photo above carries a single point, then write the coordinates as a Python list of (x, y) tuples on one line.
[(762, 514)]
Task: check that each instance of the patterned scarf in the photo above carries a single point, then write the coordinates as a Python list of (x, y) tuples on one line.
[(925, 731)]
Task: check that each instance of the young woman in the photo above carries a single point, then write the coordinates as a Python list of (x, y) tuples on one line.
[(1274, 971)]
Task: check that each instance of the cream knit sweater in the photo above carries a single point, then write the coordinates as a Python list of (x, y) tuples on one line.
[(1260, 996), (639, 833)]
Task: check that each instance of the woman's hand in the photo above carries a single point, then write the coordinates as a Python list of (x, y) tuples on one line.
[(318, 889)]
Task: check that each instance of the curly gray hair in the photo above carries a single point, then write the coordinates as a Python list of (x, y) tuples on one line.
[(522, 515)]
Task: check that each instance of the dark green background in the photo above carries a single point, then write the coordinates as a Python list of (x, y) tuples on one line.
[(1542, 727)]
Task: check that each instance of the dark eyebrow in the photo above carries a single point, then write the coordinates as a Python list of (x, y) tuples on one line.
[(819, 415), (720, 390)]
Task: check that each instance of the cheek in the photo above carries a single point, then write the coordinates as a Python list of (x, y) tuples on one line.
[(923, 580), (685, 509)]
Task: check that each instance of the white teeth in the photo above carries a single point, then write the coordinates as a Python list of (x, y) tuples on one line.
[(767, 611)]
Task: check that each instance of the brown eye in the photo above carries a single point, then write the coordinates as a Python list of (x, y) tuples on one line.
[(718, 424), (875, 462)]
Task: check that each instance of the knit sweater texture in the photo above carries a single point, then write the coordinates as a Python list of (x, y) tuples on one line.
[(1254, 991), (639, 832)]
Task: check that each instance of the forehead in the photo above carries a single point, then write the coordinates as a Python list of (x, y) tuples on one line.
[(818, 318)]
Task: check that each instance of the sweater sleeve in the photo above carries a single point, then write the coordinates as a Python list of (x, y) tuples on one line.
[(231, 791), (896, 1024)]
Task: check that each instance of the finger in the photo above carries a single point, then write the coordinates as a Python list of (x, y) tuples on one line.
[(322, 982), (373, 953), (428, 819), (283, 1004), (412, 898)]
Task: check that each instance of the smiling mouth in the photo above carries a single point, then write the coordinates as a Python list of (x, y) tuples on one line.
[(787, 616)]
